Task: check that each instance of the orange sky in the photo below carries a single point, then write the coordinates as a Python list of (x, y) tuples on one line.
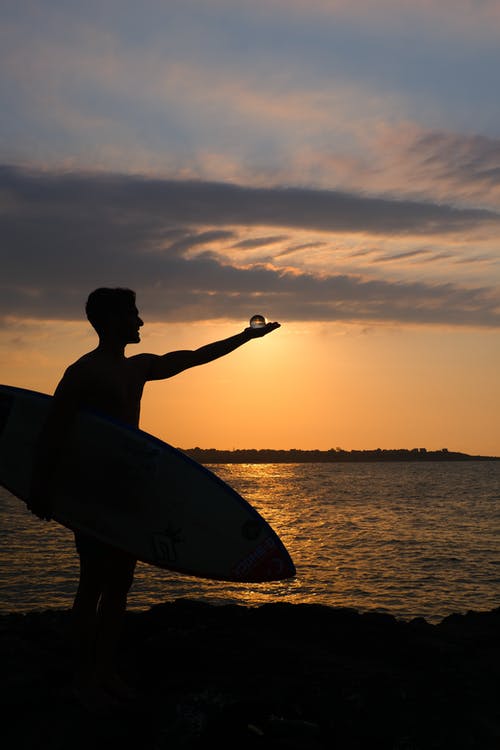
[(329, 164), (307, 385)]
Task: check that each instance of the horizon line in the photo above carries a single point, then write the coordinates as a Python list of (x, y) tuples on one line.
[(341, 451)]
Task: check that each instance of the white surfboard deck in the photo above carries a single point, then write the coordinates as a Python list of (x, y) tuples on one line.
[(135, 492)]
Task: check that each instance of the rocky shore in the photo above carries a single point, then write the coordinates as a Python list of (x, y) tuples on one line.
[(276, 676)]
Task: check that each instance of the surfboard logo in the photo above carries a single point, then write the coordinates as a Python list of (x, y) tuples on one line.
[(164, 544)]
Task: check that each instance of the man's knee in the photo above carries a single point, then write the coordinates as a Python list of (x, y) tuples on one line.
[(114, 595), (123, 582), (120, 577), (90, 583)]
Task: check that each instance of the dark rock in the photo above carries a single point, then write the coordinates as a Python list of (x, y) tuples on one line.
[(276, 676)]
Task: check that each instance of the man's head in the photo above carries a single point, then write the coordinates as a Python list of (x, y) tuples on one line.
[(113, 313)]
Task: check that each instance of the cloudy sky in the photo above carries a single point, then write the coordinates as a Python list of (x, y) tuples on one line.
[(333, 165)]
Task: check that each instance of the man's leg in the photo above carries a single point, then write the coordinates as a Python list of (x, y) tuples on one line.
[(118, 579), (85, 605), (97, 561), (86, 685)]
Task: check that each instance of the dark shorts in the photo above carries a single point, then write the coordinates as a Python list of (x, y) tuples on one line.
[(89, 545), (91, 548)]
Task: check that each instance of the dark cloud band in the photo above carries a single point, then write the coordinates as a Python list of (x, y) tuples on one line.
[(216, 204), (64, 234)]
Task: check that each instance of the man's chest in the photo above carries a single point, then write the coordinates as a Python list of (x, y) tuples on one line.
[(115, 391)]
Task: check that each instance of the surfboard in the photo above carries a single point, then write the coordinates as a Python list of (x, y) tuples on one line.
[(140, 494)]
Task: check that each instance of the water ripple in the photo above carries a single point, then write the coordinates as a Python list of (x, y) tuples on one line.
[(409, 539)]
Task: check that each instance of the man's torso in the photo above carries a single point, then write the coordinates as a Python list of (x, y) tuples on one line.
[(111, 386)]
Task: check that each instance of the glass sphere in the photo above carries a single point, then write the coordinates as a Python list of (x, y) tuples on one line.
[(257, 321)]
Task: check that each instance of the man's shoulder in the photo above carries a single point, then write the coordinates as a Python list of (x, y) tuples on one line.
[(82, 364), (78, 371), (141, 362), (140, 359)]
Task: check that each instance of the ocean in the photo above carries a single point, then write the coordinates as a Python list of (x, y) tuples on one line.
[(409, 539)]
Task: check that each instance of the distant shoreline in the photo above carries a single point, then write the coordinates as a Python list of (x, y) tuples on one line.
[(271, 456)]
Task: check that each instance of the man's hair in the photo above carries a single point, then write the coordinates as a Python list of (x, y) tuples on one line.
[(104, 302)]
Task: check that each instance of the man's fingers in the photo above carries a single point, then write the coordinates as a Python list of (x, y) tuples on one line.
[(258, 332)]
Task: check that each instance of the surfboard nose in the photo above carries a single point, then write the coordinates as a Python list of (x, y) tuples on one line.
[(269, 561)]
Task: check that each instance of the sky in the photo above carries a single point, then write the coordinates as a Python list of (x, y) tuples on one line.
[(331, 165)]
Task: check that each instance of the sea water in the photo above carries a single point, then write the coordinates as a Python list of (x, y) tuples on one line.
[(409, 539)]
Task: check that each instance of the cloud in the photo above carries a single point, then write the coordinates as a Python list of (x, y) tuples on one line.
[(158, 202), (469, 161), (306, 107), (64, 234), (187, 240), (300, 248), (417, 253), (410, 161), (471, 16), (254, 242)]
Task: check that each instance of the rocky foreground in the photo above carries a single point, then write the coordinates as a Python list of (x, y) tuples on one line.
[(276, 676)]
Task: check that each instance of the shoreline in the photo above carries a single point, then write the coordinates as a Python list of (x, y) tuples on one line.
[(298, 456), (274, 676)]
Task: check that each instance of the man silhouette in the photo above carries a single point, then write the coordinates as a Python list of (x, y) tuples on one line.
[(108, 381)]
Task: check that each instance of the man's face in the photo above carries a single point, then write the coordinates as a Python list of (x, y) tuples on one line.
[(125, 326)]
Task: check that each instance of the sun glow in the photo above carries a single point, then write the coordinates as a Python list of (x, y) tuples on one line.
[(306, 385)]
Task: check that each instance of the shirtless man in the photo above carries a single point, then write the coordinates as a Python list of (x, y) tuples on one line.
[(108, 381)]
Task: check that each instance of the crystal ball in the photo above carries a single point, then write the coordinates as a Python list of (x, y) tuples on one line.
[(257, 321)]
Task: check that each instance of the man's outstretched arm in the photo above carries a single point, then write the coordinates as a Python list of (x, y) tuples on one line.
[(160, 367)]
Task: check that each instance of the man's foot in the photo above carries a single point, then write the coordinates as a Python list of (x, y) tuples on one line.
[(93, 697), (118, 688)]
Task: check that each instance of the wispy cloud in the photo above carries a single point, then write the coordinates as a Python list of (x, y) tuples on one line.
[(407, 160), (418, 253), (469, 16), (460, 163), (253, 242), (299, 248)]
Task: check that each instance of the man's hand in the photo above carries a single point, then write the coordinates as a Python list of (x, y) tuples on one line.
[(255, 333)]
